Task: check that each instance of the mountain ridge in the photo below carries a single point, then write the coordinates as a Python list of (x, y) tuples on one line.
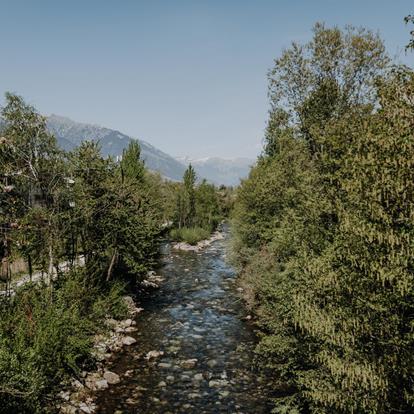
[(217, 170), (70, 134)]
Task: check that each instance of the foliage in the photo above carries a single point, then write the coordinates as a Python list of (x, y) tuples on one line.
[(410, 19), (310, 83), (46, 336), (61, 207), (185, 204), (322, 229), (198, 208), (190, 235)]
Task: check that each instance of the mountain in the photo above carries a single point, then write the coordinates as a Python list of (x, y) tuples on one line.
[(220, 170), (70, 134)]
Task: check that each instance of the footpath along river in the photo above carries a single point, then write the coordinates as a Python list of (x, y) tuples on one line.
[(196, 320)]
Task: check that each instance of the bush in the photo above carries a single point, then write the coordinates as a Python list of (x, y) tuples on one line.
[(46, 335), (190, 235)]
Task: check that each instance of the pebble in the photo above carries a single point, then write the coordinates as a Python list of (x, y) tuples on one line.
[(154, 354), (101, 384), (111, 377), (128, 340), (189, 363), (198, 377), (212, 363)]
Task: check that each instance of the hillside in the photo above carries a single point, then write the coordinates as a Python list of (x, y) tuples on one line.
[(70, 134)]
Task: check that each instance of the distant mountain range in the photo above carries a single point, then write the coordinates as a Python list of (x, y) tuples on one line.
[(220, 170), (70, 134)]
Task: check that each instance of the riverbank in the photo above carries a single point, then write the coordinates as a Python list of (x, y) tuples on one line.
[(79, 394)]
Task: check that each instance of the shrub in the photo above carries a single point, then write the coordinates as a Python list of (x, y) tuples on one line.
[(46, 335), (189, 235)]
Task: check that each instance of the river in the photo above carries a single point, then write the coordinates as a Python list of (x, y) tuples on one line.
[(196, 320)]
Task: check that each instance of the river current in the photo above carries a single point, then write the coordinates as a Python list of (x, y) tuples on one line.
[(196, 320)]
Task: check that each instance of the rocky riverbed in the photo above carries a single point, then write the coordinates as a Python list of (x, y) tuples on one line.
[(187, 347)]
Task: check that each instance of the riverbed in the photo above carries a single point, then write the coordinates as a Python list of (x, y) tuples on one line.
[(194, 347)]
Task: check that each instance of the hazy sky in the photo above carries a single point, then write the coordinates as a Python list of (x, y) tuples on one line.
[(187, 76)]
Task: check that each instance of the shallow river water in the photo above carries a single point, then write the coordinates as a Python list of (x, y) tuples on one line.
[(196, 319)]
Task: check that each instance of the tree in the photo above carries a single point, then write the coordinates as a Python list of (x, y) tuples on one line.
[(323, 78), (131, 165), (356, 302), (323, 228), (32, 173), (410, 19), (185, 210), (207, 208)]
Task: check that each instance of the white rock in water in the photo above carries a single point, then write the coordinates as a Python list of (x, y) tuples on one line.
[(128, 340), (101, 384), (111, 377)]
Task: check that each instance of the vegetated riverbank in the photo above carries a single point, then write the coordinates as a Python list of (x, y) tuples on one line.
[(59, 206), (194, 346), (324, 229)]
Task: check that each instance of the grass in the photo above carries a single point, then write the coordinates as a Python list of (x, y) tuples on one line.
[(190, 235)]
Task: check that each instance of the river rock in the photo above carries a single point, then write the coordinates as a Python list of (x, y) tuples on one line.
[(212, 363), (85, 408), (217, 383), (128, 340), (189, 363), (101, 384), (130, 329), (153, 354), (111, 323), (129, 301), (65, 395), (126, 323), (198, 377), (194, 395), (111, 377)]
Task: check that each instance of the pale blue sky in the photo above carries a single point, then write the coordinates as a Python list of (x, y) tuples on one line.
[(187, 76)]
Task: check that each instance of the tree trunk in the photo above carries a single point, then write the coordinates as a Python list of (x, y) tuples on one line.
[(111, 265), (29, 262), (50, 271)]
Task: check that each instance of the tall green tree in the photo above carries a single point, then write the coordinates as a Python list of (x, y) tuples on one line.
[(410, 19), (185, 210), (132, 167), (32, 173)]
